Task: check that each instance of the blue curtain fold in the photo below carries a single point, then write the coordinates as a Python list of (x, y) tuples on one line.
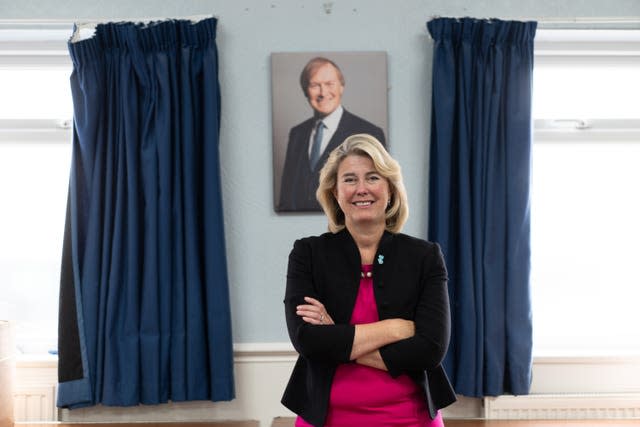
[(479, 178), (144, 303)]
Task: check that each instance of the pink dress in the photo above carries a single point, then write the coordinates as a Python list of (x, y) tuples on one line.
[(364, 396)]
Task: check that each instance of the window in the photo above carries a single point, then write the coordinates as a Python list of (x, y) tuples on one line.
[(586, 193), (585, 205), (35, 136)]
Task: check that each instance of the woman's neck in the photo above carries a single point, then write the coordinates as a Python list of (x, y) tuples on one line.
[(367, 239)]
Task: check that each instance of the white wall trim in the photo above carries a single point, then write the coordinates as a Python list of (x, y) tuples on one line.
[(585, 42), (262, 371), (587, 360), (264, 352)]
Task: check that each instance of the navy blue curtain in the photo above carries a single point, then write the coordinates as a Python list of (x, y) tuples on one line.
[(480, 164), (144, 304)]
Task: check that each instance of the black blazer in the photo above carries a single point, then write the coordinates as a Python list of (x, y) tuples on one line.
[(299, 182), (409, 282)]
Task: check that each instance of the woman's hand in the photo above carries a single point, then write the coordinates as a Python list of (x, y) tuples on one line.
[(314, 312)]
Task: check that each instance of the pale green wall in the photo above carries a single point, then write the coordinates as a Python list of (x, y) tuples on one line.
[(259, 240)]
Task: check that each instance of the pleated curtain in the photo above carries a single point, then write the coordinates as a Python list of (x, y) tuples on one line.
[(144, 302), (479, 195)]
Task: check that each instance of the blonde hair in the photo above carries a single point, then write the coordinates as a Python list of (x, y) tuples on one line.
[(368, 146)]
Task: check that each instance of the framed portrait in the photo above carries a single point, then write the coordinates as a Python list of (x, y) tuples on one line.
[(318, 100)]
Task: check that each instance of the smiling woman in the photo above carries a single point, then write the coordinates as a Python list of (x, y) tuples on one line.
[(382, 166), (362, 193), (366, 306)]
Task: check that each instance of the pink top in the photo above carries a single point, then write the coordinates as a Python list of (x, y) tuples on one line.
[(364, 396)]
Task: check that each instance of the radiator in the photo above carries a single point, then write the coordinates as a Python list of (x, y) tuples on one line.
[(563, 406), (7, 372), (34, 404)]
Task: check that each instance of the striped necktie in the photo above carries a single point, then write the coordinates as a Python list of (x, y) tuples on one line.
[(317, 143)]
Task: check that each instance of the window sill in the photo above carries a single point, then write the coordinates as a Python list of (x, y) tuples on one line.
[(36, 360)]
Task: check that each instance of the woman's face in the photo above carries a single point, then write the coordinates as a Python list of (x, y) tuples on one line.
[(361, 191)]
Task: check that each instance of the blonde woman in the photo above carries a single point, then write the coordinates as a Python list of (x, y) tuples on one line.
[(367, 307)]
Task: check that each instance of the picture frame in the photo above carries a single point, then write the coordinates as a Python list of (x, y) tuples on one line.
[(364, 94)]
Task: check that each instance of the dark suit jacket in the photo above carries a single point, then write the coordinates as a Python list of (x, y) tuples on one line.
[(409, 283), (299, 181)]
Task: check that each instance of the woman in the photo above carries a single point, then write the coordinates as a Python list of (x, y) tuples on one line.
[(367, 308)]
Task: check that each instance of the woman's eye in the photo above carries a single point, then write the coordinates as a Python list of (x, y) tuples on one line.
[(374, 178)]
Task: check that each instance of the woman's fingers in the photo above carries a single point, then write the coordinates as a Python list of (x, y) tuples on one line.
[(305, 312), (314, 312), (311, 315), (314, 302)]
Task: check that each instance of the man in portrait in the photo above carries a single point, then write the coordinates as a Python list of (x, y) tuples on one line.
[(311, 141)]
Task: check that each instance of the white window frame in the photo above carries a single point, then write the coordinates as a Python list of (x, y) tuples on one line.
[(34, 45), (565, 373)]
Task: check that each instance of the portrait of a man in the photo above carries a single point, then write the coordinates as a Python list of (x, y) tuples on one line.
[(328, 121)]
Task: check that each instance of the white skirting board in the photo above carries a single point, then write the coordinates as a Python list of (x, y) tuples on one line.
[(562, 389)]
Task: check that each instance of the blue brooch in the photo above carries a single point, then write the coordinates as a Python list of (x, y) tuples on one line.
[(380, 259)]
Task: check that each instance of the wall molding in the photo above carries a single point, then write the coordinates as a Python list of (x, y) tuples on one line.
[(262, 371)]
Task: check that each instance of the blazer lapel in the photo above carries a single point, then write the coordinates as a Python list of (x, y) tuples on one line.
[(383, 272), (343, 262)]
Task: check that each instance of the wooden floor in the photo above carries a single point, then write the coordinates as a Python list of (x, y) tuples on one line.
[(541, 423), (288, 422), (145, 424)]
